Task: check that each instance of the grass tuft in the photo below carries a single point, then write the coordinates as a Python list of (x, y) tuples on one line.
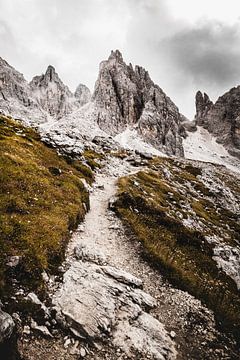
[(42, 198)]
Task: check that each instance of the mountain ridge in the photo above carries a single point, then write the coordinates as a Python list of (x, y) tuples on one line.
[(222, 118)]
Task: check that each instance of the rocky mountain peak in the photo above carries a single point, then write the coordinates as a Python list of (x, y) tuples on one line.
[(45, 97), (53, 96), (82, 94), (116, 55), (222, 119), (50, 76), (15, 94), (203, 105), (51, 73), (127, 97)]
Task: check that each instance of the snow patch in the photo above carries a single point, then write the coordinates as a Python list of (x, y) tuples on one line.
[(201, 145), (130, 139)]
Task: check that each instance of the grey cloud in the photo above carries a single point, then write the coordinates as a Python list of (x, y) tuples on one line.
[(208, 54), (74, 36)]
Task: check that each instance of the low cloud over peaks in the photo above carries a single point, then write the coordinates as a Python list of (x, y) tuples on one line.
[(209, 53)]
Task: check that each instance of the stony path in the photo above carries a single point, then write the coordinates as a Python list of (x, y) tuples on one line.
[(92, 294)]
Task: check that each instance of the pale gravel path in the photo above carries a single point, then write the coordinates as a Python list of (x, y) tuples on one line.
[(196, 334)]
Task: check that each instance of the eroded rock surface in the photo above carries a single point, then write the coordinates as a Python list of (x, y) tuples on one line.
[(98, 302), (6, 326), (222, 119), (127, 97), (82, 94), (52, 95)]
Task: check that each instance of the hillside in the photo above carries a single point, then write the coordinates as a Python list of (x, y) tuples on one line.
[(112, 244), (42, 198), (186, 214)]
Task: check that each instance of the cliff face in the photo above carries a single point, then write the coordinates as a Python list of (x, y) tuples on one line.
[(52, 95), (222, 119), (203, 105), (127, 97), (45, 97), (82, 94), (15, 94)]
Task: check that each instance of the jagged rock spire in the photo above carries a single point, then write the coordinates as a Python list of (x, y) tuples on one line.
[(82, 94), (127, 97), (116, 55), (222, 119), (203, 105), (50, 73)]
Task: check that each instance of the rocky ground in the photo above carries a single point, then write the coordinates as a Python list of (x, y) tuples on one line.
[(112, 304)]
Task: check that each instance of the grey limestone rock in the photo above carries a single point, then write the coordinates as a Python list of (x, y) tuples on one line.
[(6, 326), (53, 96), (222, 119), (82, 94), (99, 302), (127, 97)]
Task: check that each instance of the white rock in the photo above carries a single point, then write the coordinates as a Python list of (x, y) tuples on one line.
[(67, 343), (40, 328), (99, 301), (83, 352)]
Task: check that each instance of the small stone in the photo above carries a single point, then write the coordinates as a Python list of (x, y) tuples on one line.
[(83, 352), (26, 330), (67, 343), (100, 187), (13, 261), (172, 334), (6, 326), (81, 228), (41, 328), (45, 276), (55, 171)]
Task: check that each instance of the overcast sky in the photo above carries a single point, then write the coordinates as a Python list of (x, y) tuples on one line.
[(185, 45)]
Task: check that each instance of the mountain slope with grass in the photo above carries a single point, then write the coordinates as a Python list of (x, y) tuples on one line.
[(42, 198), (186, 214)]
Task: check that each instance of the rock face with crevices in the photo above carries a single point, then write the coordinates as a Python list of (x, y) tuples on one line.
[(15, 95), (127, 97), (100, 302), (82, 94), (45, 98), (52, 95), (6, 326), (222, 119)]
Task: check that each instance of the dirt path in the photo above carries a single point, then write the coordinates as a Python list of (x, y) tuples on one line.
[(191, 325)]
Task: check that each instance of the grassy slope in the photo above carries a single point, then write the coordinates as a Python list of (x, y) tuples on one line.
[(154, 203), (42, 198)]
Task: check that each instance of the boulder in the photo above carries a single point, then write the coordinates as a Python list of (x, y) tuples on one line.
[(6, 326)]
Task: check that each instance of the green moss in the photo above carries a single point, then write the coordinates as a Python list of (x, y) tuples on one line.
[(42, 198), (150, 205), (93, 159), (121, 154), (84, 170)]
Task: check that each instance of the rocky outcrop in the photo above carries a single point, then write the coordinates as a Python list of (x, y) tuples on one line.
[(82, 94), (98, 302), (222, 119), (6, 326), (44, 98), (15, 94), (203, 105), (52, 95), (127, 97)]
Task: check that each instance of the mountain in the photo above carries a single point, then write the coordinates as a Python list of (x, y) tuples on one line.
[(152, 271), (45, 98), (52, 95), (15, 95), (82, 94), (221, 119), (128, 98)]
